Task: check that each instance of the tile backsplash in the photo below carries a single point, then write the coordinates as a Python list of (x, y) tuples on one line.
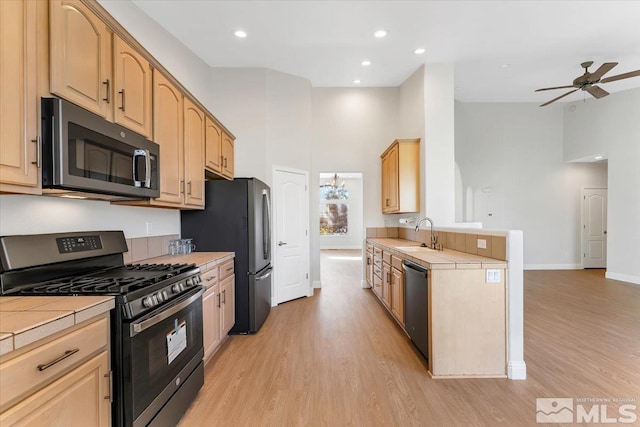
[(147, 247), (496, 246)]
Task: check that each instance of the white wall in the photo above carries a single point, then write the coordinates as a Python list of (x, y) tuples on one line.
[(351, 127), (510, 154), (611, 127), (355, 236), (41, 214)]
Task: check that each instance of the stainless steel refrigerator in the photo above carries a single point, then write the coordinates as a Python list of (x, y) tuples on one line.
[(237, 218)]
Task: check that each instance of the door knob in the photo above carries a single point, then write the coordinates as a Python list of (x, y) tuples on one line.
[(281, 243)]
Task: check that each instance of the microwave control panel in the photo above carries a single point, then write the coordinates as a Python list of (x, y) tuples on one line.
[(78, 244)]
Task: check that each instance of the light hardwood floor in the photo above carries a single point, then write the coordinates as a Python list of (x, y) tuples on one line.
[(338, 359)]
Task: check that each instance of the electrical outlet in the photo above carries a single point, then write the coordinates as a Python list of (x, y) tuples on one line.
[(482, 244), (493, 275), (149, 227)]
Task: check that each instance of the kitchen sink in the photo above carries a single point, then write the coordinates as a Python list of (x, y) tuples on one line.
[(414, 249)]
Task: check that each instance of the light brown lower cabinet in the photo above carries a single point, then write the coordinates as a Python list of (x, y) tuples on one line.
[(218, 307), (80, 398), (386, 284), (397, 294)]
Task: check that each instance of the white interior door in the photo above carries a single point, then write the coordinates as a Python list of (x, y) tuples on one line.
[(291, 213), (594, 228)]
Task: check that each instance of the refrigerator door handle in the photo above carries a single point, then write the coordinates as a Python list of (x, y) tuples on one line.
[(264, 276), (266, 226)]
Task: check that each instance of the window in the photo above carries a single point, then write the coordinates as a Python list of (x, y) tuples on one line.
[(334, 209)]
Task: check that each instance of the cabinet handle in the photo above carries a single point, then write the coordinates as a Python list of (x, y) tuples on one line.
[(368, 261), (388, 278), (218, 300), (208, 279), (110, 396), (108, 84), (38, 152), (221, 160), (224, 162), (122, 106), (182, 187), (224, 295), (189, 188), (60, 358), (229, 269)]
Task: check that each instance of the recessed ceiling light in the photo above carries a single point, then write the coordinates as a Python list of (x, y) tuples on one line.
[(598, 157), (356, 82), (505, 65), (380, 33), (365, 63), (419, 51), (240, 34)]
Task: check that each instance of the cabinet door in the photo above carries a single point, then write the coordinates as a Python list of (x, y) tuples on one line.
[(193, 154), (132, 88), (392, 203), (386, 284), (169, 134), (397, 294), (80, 56), (80, 398), (211, 320), (227, 290), (369, 269), (18, 99), (227, 155), (213, 150)]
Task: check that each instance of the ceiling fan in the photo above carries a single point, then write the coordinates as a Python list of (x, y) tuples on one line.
[(588, 80)]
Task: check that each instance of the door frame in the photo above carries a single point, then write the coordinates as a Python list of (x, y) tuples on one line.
[(306, 239), (583, 223)]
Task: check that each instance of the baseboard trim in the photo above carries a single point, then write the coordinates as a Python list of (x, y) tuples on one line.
[(635, 280), (517, 370), (364, 284), (337, 248), (553, 266), (316, 284)]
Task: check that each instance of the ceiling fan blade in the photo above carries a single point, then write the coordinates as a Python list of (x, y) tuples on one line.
[(596, 91), (621, 76), (561, 96), (604, 69), (551, 88)]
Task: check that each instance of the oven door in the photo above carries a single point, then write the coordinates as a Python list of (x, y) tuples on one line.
[(160, 350)]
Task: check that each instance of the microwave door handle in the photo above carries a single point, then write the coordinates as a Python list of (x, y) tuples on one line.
[(147, 165)]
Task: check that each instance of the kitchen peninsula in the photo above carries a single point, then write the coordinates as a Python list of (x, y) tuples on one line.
[(466, 304)]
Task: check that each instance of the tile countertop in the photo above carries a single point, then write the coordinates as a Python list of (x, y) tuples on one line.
[(440, 260), (24, 320), (204, 260)]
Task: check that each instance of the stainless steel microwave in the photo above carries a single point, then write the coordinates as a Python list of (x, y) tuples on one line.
[(83, 152)]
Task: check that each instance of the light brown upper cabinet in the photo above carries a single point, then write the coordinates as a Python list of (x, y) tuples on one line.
[(219, 150), (401, 176), (83, 50), (194, 123), (132, 88), (227, 155), (19, 157), (168, 132)]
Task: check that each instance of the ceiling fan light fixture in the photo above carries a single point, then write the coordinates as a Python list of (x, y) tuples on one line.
[(419, 51), (240, 34)]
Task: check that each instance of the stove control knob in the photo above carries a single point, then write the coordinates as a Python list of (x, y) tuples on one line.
[(154, 299), (181, 286), (165, 295), (189, 282), (147, 302), (175, 288), (159, 296)]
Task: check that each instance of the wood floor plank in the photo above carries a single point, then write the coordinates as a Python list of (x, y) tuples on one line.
[(339, 359)]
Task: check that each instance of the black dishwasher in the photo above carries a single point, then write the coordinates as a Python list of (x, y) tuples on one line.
[(416, 282)]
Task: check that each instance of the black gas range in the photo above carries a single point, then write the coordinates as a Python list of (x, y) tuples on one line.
[(156, 326)]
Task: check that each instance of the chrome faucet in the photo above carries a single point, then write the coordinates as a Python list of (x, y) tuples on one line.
[(433, 238)]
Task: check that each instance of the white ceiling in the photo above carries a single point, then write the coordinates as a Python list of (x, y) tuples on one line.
[(543, 42)]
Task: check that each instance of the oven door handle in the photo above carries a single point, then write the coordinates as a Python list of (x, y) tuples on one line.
[(136, 328)]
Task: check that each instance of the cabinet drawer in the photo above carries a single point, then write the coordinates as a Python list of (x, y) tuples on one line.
[(32, 370), (377, 271), (377, 251), (386, 257), (377, 285), (396, 262), (209, 278), (226, 270), (369, 248), (377, 261)]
